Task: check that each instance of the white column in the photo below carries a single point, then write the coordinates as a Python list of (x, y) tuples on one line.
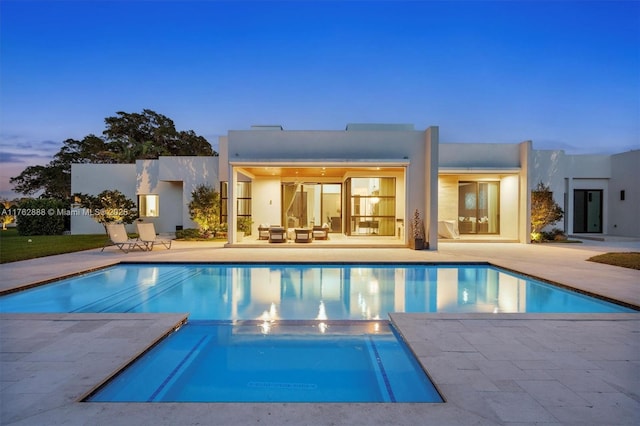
[(431, 186), (232, 201), (568, 214)]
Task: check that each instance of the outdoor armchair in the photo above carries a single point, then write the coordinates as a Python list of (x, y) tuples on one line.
[(277, 234)]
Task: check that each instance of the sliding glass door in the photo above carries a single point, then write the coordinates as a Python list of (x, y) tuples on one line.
[(478, 207), (372, 206), (312, 204)]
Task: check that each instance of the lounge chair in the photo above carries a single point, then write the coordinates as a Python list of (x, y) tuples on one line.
[(147, 235), (119, 238)]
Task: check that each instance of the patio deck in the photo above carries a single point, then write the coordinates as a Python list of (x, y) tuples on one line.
[(493, 369)]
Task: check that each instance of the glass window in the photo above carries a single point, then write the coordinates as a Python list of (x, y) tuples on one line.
[(479, 207), (372, 206), (312, 204), (149, 205), (243, 196)]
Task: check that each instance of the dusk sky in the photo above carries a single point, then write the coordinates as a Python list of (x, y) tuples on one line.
[(564, 74)]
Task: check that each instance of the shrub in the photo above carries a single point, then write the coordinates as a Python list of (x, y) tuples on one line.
[(188, 234), (42, 216), (555, 234), (204, 208), (416, 227), (109, 206), (544, 211), (244, 224)]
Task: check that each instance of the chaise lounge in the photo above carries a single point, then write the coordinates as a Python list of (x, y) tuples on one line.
[(147, 235), (118, 237)]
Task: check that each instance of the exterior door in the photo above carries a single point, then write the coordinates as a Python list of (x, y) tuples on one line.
[(312, 204), (371, 206), (478, 207), (587, 211)]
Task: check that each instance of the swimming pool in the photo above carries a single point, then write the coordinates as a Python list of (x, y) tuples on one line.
[(213, 362), (215, 357), (302, 291)]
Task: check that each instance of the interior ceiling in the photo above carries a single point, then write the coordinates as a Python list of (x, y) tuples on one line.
[(312, 172)]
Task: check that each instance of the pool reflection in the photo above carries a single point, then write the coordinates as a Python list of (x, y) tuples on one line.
[(272, 292)]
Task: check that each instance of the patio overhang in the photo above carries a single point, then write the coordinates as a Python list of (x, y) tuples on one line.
[(313, 168), (478, 170)]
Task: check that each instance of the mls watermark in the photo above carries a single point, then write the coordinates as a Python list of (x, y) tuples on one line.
[(16, 212)]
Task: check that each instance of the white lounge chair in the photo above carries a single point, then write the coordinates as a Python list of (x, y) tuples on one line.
[(119, 238), (147, 235)]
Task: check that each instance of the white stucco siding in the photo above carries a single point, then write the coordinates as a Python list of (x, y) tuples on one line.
[(265, 202), (185, 174), (624, 215), (92, 179), (189, 169), (509, 207), (223, 158), (479, 155), (170, 212), (566, 173), (319, 145), (95, 178), (588, 166)]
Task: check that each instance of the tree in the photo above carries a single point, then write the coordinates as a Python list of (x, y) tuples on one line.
[(149, 135), (544, 210), (127, 138), (7, 216), (109, 206), (204, 209)]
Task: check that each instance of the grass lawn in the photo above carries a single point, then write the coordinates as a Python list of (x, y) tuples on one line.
[(626, 260), (14, 247)]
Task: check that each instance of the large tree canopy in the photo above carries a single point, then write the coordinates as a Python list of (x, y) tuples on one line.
[(150, 135), (128, 137)]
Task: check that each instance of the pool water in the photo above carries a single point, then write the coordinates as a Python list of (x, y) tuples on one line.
[(209, 362), (301, 291)]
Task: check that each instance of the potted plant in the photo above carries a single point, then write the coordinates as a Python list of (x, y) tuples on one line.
[(244, 227), (416, 237)]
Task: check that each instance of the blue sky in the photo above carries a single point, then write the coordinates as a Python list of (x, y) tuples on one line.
[(565, 74)]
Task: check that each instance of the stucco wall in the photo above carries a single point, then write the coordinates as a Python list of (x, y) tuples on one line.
[(319, 145), (479, 155), (92, 179), (448, 198), (266, 201), (509, 207), (624, 215), (565, 173), (188, 173)]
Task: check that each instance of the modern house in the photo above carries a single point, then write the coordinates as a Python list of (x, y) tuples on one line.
[(366, 182)]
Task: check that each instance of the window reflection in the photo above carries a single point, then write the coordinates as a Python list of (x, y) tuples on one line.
[(269, 294)]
